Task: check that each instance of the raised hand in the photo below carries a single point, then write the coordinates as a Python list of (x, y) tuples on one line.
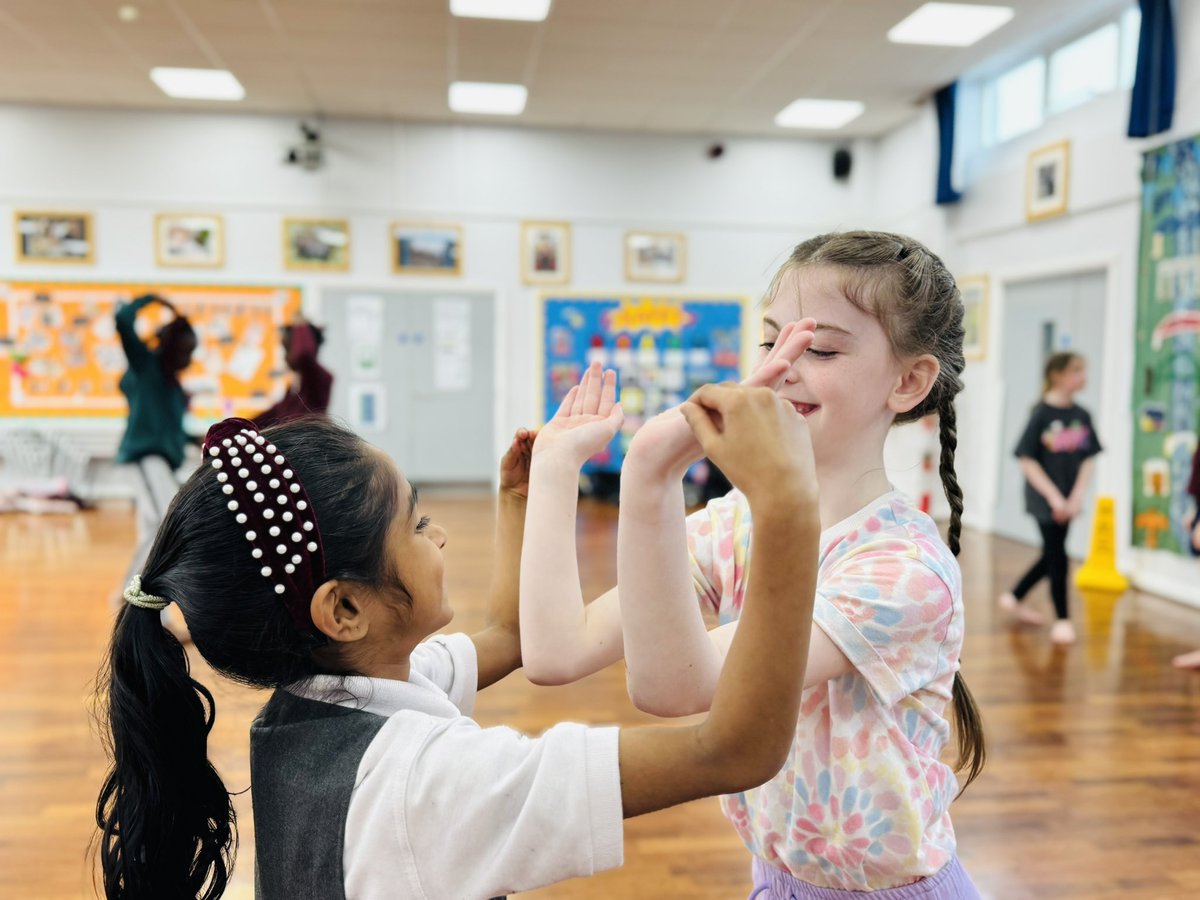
[(514, 465), (794, 338), (587, 419), (758, 439)]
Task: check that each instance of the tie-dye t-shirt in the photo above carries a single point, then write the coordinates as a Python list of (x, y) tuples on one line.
[(862, 802)]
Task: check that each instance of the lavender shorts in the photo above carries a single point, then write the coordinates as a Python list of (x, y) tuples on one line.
[(951, 883)]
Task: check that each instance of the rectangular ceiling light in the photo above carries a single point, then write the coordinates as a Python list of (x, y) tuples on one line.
[(521, 10), (488, 98), (950, 24), (198, 84), (819, 113)]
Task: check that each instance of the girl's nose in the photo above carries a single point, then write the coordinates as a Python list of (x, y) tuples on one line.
[(439, 536)]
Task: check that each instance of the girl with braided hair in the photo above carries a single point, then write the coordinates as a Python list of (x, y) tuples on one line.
[(868, 327)]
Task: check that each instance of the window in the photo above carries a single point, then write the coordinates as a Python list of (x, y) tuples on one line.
[(1015, 102), (1084, 69), (1098, 63)]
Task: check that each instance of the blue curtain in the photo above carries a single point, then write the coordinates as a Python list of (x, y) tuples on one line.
[(1153, 102), (945, 101)]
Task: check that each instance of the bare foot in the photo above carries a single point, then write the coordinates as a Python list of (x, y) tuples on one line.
[(1062, 632), (1018, 610), (1187, 660)]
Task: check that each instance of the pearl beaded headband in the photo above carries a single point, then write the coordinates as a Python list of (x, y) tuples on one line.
[(268, 499)]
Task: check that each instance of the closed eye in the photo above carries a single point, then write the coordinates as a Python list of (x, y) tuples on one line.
[(767, 345), (422, 524), (823, 354)]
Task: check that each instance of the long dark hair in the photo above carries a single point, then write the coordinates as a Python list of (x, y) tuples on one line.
[(913, 295), (167, 827)]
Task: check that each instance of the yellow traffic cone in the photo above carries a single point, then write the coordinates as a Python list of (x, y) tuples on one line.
[(1099, 571)]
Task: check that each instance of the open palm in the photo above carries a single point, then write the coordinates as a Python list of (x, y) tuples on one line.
[(587, 419)]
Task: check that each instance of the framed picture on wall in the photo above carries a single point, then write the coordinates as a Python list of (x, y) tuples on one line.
[(974, 290), (54, 237), (419, 249), (316, 244), (189, 239), (1046, 181), (655, 256), (545, 252)]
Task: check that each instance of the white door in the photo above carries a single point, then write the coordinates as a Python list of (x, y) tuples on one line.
[(414, 373), (1042, 317)]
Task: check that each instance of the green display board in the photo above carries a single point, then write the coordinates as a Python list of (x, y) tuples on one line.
[(1166, 392)]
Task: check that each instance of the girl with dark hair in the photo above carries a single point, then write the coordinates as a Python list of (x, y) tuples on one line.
[(1056, 452), (862, 331), (302, 562), (154, 440)]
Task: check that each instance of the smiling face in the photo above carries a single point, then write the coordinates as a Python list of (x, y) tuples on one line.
[(415, 544), (843, 384)]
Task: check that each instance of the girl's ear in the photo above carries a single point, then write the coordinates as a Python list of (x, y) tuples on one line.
[(914, 384), (339, 612)]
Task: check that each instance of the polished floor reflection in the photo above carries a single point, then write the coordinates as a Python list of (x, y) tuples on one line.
[(1092, 789)]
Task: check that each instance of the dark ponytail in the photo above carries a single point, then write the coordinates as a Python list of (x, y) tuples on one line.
[(167, 827)]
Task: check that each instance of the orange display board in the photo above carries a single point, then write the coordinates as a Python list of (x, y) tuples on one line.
[(60, 354)]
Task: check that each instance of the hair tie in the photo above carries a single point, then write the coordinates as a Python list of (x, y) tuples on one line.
[(135, 596), (269, 502)]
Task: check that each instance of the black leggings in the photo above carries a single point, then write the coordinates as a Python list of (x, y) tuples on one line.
[(1052, 563)]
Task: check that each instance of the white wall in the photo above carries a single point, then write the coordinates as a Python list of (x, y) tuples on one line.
[(741, 213), (987, 233)]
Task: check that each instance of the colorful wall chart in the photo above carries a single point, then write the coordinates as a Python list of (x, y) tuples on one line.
[(60, 354), (662, 347), (1167, 373)]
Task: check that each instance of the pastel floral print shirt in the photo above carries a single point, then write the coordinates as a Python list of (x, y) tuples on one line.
[(862, 802)]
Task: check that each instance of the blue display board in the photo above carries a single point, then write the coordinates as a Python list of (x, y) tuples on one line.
[(662, 348)]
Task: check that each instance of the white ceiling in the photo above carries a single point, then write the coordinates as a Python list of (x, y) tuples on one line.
[(691, 66)]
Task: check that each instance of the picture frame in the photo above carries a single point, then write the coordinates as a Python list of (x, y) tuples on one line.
[(316, 245), (54, 237), (189, 240), (975, 291), (1047, 181), (655, 256), (423, 248), (546, 252)]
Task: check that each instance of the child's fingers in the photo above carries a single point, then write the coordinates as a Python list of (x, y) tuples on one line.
[(595, 387), (608, 394), (564, 408), (616, 417), (584, 384), (701, 423)]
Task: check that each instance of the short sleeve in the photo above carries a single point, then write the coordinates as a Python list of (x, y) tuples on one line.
[(715, 556), (491, 811), (889, 613), (1030, 443), (1094, 445), (450, 662)]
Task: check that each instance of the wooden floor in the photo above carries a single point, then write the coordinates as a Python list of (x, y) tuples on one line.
[(1092, 788)]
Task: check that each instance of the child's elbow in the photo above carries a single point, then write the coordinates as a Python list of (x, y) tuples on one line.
[(664, 704), (547, 673)]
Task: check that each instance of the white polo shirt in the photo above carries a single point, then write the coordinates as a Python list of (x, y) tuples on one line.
[(443, 808)]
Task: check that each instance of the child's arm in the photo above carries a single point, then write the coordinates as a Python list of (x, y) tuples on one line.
[(562, 640), (1037, 477), (762, 444), (672, 663), (498, 646), (1079, 489)]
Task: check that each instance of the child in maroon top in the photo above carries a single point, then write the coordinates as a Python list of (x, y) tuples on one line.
[(1192, 660), (311, 395)]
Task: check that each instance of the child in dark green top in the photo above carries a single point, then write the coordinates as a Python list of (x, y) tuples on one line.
[(154, 438)]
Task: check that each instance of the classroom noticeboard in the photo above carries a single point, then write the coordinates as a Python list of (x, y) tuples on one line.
[(1166, 391), (60, 354), (662, 347)]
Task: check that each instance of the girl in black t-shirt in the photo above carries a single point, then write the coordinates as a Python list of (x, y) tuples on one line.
[(1056, 454)]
